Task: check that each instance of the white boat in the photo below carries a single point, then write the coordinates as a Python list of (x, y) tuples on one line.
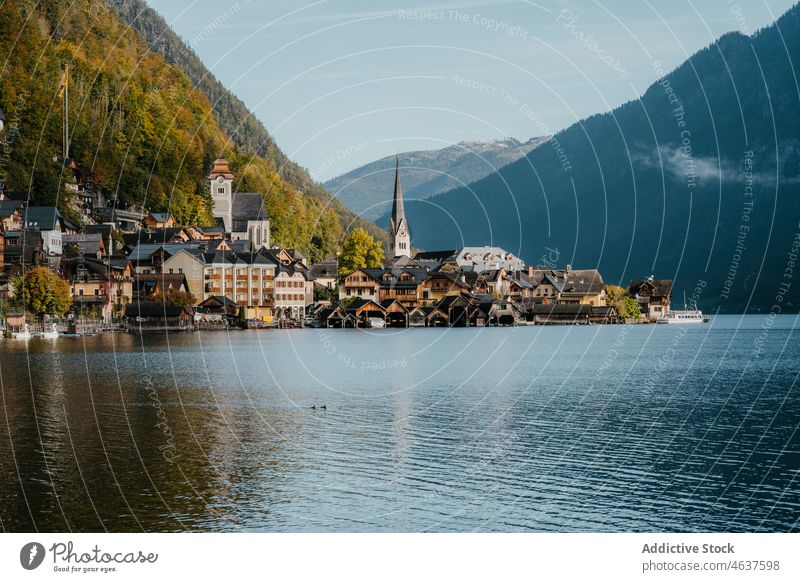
[(376, 322), (684, 316), (25, 334), (52, 334)]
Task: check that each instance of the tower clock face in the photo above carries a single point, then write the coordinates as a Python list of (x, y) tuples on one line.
[(402, 233), (220, 179)]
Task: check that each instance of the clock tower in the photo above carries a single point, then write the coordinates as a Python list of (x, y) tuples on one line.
[(221, 183), (399, 235)]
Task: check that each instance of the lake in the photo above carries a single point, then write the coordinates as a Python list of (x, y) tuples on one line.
[(579, 428)]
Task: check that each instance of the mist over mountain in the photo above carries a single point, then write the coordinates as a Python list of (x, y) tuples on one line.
[(367, 190), (698, 180)]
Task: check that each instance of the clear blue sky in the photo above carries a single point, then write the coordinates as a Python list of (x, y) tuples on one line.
[(340, 83)]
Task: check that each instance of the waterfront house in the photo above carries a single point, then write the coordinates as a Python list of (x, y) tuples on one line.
[(396, 314), (566, 286), (440, 284), (360, 283), (652, 295), (361, 310), (216, 308), (416, 317), (159, 316), (399, 284), (100, 286), (294, 290)]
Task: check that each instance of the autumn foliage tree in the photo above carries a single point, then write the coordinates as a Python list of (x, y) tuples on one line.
[(42, 292), (625, 305), (360, 251)]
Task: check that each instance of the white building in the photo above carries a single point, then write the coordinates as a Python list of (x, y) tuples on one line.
[(242, 213)]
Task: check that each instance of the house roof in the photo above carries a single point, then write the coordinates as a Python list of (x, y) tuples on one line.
[(582, 282), (417, 277), (359, 303), (42, 217), (154, 309), (160, 216), (9, 207), (87, 243), (175, 281), (651, 286), (144, 252), (387, 303), (437, 256), (221, 300), (324, 268), (246, 206)]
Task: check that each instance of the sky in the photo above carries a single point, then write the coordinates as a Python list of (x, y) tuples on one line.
[(341, 83)]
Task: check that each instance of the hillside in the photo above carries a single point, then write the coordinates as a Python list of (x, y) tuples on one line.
[(660, 186), (138, 124), (232, 115), (367, 190)]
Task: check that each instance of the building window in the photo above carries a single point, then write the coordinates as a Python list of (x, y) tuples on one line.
[(221, 190)]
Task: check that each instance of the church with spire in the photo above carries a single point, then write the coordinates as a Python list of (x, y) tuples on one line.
[(399, 235)]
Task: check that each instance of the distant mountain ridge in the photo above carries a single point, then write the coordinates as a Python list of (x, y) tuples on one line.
[(696, 181), (367, 190)]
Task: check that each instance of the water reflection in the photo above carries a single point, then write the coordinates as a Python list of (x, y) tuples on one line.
[(534, 429)]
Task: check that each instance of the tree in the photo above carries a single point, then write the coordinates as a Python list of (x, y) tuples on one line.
[(625, 305), (360, 251), (42, 292)]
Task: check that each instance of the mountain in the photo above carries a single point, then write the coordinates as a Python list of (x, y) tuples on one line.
[(698, 181), (232, 115), (367, 191), (140, 126)]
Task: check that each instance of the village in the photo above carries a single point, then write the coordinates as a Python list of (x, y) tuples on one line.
[(132, 270)]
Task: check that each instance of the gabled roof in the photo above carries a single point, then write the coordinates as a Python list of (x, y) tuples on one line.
[(582, 282), (387, 303), (42, 217), (449, 300), (651, 286), (437, 256), (246, 206), (144, 252), (9, 207), (160, 216), (359, 303), (221, 300), (324, 268), (154, 309)]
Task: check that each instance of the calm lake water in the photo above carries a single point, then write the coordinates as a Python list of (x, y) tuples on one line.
[(590, 428)]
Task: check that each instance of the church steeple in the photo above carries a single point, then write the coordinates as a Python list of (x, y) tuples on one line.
[(399, 236)]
